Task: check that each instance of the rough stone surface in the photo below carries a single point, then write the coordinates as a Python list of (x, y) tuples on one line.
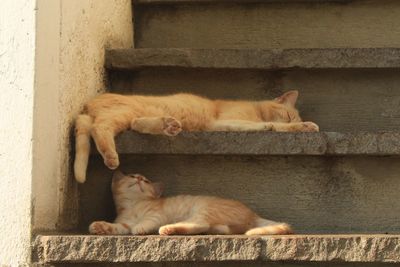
[(253, 58), (269, 25), (95, 249), (235, 1), (261, 143)]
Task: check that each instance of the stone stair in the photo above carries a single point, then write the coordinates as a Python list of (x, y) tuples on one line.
[(338, 188), (217, 249)]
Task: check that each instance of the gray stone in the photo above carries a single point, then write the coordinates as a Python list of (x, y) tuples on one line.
[(123, 249), (273, 59), (260, 143), (267, 25), (235, 1)]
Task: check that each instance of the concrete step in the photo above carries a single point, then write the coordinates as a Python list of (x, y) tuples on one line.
[(324, 195), (271, 59), (261, 143), (150, 2), (56, 249), (267, 24)]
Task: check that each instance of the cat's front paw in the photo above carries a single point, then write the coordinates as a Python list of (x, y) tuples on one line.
[(138, 231), (166, 230), (111, 160), (309, 126), (100, 228), (171, 126), (268, 126)]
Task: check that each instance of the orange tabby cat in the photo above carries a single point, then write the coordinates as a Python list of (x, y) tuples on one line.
[(109, 114), (141, 210)]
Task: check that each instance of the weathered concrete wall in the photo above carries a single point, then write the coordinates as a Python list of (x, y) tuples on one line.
[(17, 51), (44, 85), (72, 37), (276, 25)]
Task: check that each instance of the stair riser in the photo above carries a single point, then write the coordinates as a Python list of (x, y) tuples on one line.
[(221, 264), (285, 25), (315, 194), (338, 100)]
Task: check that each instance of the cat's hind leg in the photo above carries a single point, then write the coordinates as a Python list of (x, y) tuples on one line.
[(106, 228), (295, 127), (184, 228), (268, 227), (238, 125), (157, 125)]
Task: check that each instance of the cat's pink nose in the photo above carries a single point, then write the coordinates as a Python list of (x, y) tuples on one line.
[(139, 177)]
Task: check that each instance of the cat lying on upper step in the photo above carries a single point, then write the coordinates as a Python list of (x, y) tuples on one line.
[(109, 114), (141, 210)]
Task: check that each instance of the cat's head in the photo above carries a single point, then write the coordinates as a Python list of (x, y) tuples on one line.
[(281, 109), (135, 186)]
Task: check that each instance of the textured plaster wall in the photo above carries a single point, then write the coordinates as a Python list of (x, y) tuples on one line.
[(17, 46), (72, 36)]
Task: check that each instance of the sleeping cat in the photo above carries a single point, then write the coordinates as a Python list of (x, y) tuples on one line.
[(141, 210), (109, 114)]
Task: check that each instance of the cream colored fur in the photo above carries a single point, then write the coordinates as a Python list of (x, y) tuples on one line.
[(109, 114), (141, 210)]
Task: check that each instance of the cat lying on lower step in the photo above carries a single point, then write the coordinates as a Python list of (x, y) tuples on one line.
[(109, 114), (141, 210)]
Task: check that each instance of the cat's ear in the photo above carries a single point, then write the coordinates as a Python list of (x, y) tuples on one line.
[(158, 189), (289, 98)]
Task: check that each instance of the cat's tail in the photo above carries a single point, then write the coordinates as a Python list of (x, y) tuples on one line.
[(267, 227), (83, 126)]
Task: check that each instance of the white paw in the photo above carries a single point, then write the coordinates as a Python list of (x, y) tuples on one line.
[(166, 230), (100, 228), (111, 160), (171, 126), (309, 126)]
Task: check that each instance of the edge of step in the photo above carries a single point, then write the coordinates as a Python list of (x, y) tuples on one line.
[(236, 1), (302, 248), (260, 143), (312, 58)]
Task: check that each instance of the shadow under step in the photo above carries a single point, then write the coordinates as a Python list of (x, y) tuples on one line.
[(261, 143), (301, 248), (273, 59)]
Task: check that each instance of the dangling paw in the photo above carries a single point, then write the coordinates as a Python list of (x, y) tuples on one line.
[(111, 160)]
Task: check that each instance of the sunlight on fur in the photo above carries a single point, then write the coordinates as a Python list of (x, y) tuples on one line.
[(141, 210), (109, 114)]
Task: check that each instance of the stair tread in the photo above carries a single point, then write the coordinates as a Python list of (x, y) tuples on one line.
[(235, 1), (313, 58), (260, 143), (319, 248)]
